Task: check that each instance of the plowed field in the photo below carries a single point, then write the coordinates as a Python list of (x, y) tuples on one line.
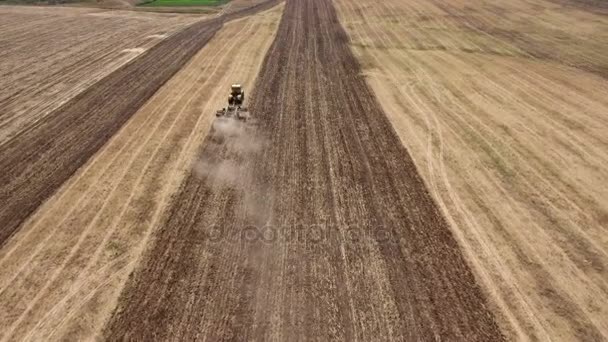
[(308, 222), (410, 170), (61, 273), (42, 149), (45, 153), (503, 106)]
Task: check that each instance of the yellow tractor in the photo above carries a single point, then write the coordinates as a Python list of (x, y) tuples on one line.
[(235, 107)]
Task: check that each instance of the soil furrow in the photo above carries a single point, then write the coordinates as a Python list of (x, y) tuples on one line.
[(312, 213)]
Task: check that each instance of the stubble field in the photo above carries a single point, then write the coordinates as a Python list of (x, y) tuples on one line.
[(62, 272), (410, 171), (49, 55), (503, 108)]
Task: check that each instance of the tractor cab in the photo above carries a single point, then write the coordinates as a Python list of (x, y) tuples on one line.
[(236, 89), (237, 95), (235, 107)]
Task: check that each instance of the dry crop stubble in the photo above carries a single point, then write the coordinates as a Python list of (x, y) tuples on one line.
[(501, 107), (78, 249)]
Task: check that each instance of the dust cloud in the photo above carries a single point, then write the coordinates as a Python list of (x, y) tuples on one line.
[(228, 162)]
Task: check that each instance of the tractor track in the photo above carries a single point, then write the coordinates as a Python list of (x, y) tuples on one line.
[(37, 160), (310, 223)]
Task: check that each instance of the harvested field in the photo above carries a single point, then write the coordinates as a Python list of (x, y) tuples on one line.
[(50, 55), (61, 274), (309, 222), (36, 161), (412, 170), (503, 107)]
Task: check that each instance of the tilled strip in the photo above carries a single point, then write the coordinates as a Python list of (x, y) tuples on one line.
[(312, 222)]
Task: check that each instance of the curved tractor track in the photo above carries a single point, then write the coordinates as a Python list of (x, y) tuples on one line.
[(309, 222)]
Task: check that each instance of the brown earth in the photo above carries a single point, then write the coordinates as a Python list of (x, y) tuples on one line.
[(503, 106), (61, 274), (43, 155), (309, 221)]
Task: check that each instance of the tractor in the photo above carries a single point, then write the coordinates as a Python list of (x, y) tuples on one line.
[(235, 107)]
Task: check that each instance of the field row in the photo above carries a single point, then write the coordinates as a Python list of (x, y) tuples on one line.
[(410, 170), (77, 250), (502, 106), (308, 222), (44, 153), (50, 55)]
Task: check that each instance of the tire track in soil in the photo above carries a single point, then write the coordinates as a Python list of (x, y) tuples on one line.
[(325, 230), (36, 161)]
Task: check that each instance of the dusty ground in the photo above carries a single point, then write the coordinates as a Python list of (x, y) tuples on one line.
[(503, 106), (49, 55), (309, 222), (61, 274)]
